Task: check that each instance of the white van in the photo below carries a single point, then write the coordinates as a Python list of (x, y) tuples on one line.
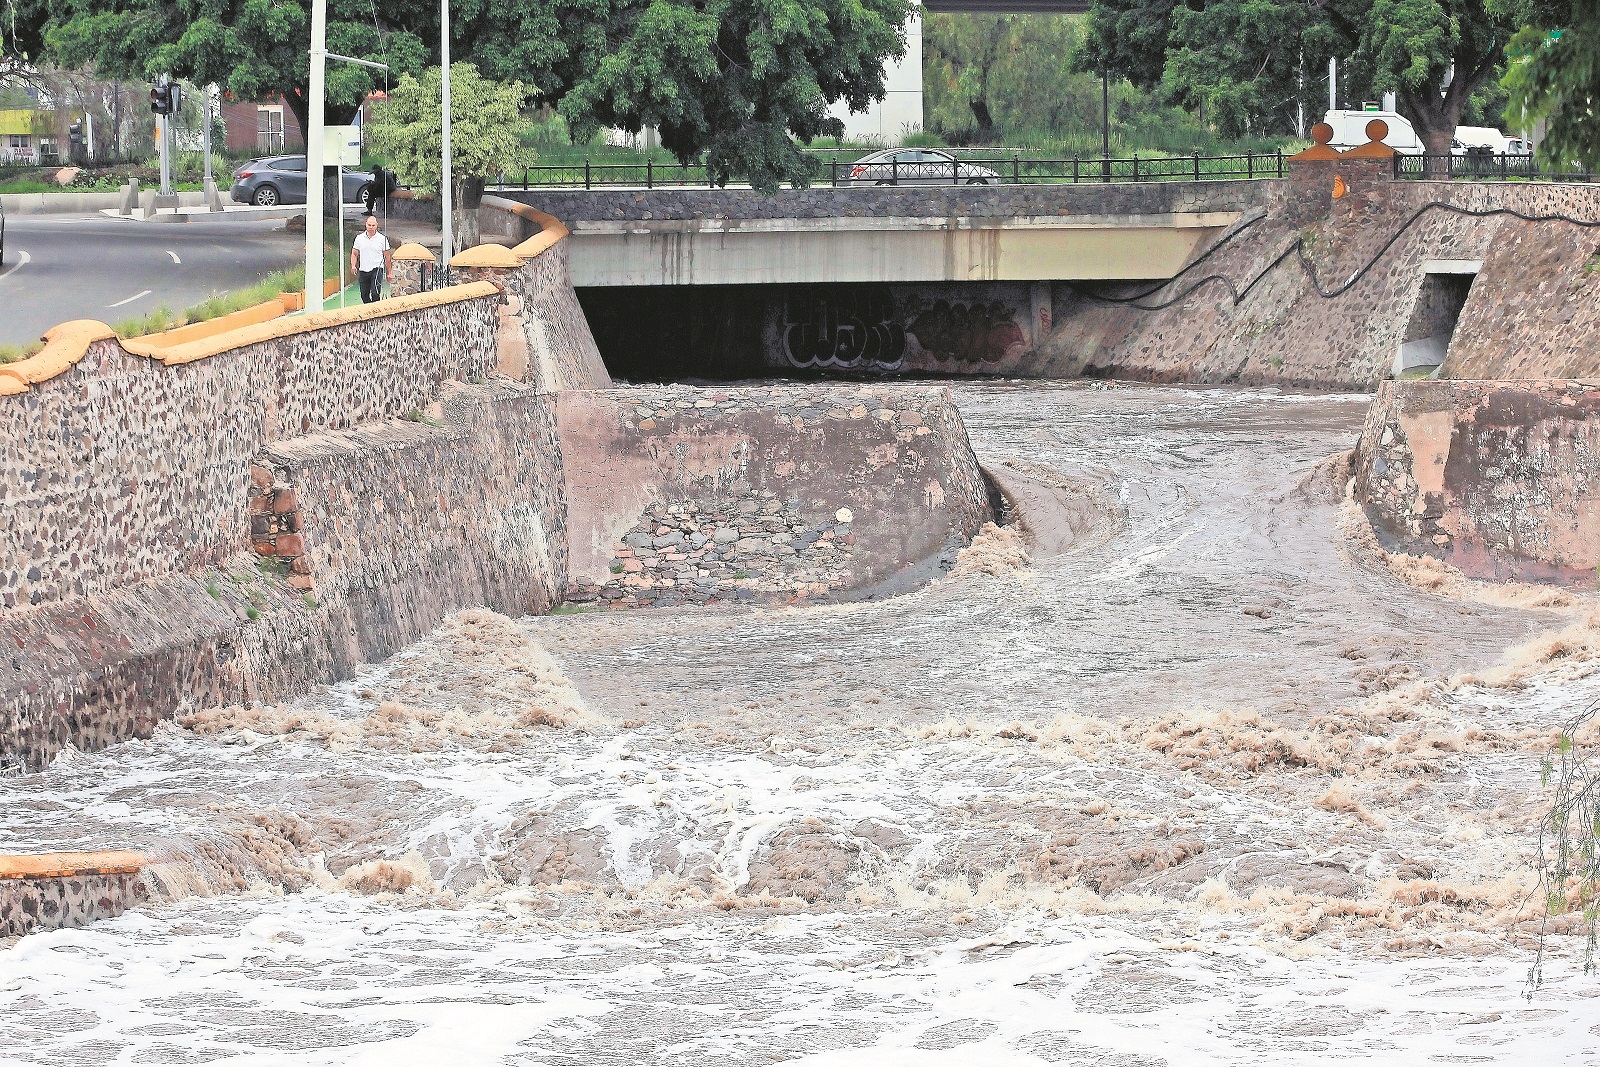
[(1350, 130), (1489, 139)]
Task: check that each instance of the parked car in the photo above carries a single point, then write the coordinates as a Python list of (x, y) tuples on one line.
[(918, 166), (275, 180)]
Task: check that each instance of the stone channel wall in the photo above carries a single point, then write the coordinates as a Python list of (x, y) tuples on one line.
[(70, 889), (1532, 311), (242, 516), (1498, 478), (679, 495)]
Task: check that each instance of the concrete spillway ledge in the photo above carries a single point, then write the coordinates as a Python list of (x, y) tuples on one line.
[(65, 889)]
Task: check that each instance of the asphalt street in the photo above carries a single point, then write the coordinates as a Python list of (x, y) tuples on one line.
[(72, 267)]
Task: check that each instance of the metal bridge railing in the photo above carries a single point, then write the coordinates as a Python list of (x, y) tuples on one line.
[(1482, 166), (964, 170)]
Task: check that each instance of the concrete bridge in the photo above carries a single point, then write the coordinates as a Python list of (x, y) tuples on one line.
[(1061, 233)]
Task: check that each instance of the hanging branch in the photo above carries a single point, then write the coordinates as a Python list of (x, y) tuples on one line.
[(1568, 861)]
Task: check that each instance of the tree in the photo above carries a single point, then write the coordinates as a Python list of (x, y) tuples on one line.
[(1554, 77), (253, 49), (1434, 54), (1243, 63), (1127, 39), (989, 73), (737, 79), (486, 126), (1240, 58)]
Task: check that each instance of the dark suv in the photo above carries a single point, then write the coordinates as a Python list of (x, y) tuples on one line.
[(275, 180)]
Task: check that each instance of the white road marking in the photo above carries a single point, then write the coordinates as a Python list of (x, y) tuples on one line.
[(23, 259), (130, 299), (174, 256)]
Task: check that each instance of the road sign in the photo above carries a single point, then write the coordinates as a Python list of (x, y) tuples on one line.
[(341, 146)]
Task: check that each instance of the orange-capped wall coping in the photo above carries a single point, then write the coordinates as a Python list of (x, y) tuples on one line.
[(71, 864), (288, 326), (64, 346), (411, 251), (69, 342), (551, 228), (487, 256)]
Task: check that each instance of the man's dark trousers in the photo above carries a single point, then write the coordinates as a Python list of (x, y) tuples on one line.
[(371, 285)]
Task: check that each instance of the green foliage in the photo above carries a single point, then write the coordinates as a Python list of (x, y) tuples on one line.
[(486, 126), (255, 49), (987, 73), (738, 80), (1568, 863), (1228, 60), (10, 353), (1246, 64), (1556, 79)]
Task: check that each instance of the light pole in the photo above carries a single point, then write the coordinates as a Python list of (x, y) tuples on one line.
[(314, 146), (444, 86)]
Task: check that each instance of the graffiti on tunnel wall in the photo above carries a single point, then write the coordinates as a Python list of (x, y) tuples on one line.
[(849, 327), (980, 332), (883, 328)]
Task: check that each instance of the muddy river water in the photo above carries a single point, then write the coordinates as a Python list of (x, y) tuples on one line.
[(1202, 778)]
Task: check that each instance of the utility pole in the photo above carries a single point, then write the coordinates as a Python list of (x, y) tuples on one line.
[(1105, 124), (444, 85), (314, 151)]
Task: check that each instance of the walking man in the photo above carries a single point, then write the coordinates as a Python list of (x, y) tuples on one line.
[(371, 258)]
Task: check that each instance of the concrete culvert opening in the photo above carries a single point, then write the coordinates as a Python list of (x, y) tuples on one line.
[(1443, 293), (841, 331)]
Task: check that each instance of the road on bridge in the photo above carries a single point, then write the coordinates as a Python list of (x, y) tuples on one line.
[(59, 267)]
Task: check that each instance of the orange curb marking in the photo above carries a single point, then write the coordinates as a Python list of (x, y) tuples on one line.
[(71, 864)]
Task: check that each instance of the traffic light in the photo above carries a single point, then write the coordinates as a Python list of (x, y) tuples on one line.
[(75, 134), (163, 98)]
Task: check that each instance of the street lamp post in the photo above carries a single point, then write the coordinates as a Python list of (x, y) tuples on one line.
[(444, 86), (314, 148)]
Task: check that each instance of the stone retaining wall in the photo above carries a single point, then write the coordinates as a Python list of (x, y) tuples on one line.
[(678, 495), (1499, 478), (246, 515), (577, 206), (29, 904)]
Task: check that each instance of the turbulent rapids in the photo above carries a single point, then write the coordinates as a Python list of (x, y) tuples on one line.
[(1178, 768)]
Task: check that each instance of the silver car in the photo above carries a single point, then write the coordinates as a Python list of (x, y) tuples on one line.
[(275, 180), (918, 166)]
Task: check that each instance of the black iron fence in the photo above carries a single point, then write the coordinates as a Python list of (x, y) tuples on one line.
[(1483, 166), (964, 170)]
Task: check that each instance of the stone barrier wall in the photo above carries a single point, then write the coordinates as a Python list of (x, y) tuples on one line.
[(678, 495), (1531, 312), (1499, 478), (240, 516), (71, 889), (577, 206), (123, 468)]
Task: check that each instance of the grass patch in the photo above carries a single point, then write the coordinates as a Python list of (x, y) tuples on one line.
[(574, 609), (12, 353), (292, 280)]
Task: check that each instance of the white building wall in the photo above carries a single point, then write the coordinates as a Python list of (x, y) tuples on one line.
[(900, 111)]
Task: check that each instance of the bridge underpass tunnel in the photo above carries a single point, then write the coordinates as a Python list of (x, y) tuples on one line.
[(844, 330)]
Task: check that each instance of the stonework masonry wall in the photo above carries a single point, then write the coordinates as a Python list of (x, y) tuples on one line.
[(1531, 312), (267, 517), (28, 904), (677, 495), (576, 206), (1498, 478)]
